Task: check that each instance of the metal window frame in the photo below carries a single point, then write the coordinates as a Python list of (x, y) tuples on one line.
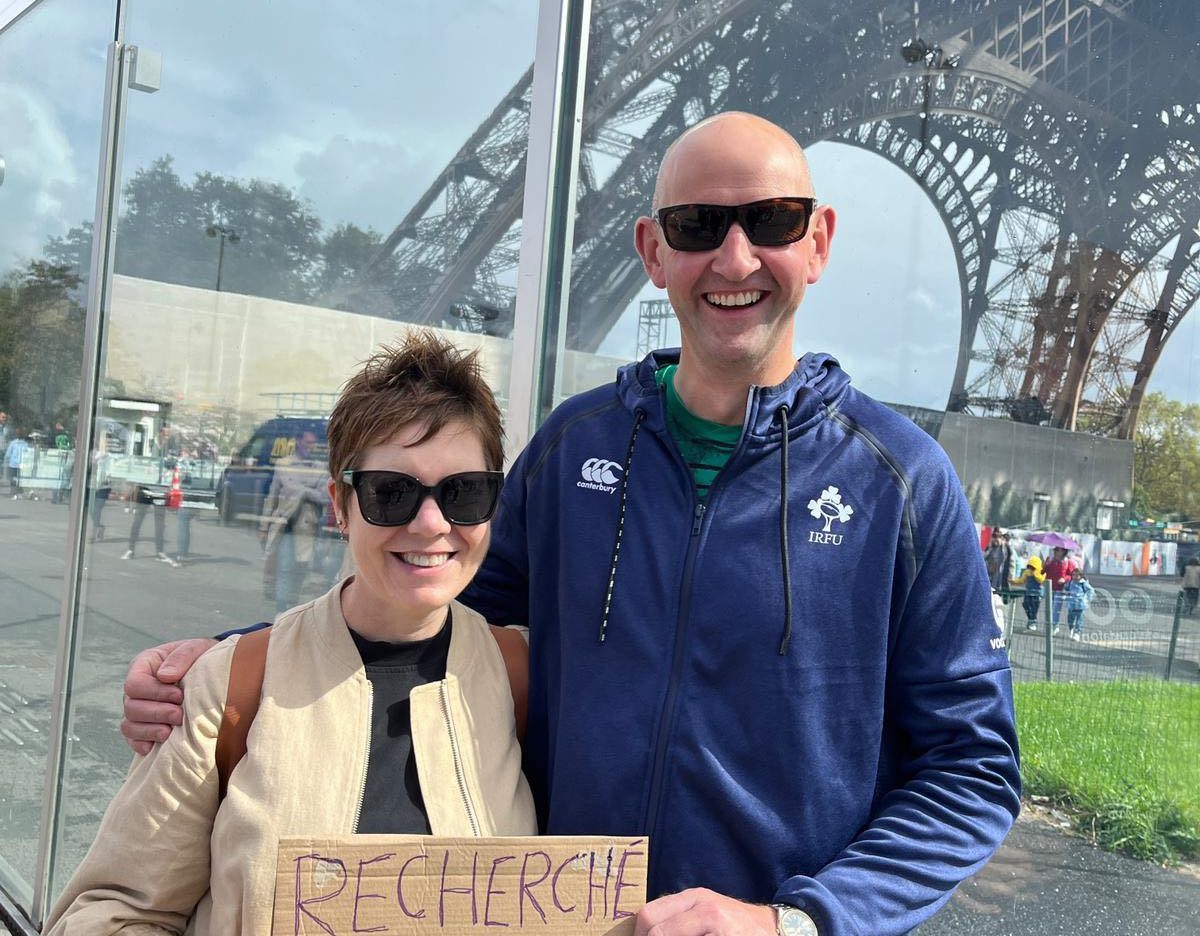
[(112, 140), (548, 213), (13, 10), (556, 118)]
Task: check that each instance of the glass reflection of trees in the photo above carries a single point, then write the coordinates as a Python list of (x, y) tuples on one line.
[(41, 334), (283, 252)]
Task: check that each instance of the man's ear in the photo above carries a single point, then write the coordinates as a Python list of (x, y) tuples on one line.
[(647, 239), (824, 221)]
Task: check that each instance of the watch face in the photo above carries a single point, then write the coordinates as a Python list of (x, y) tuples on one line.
[(793, 922)]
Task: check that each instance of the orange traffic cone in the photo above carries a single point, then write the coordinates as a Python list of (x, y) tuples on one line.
[(175, 494)]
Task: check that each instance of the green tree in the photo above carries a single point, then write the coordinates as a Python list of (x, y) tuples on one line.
[(346, 252), (1166, 459), (163, 233), (41, 343)]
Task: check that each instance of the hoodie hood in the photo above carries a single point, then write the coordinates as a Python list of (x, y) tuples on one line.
[(786, 410), (814, 387), (1036, 563)]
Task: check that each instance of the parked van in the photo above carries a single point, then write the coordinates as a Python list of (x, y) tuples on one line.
[(244, 483)]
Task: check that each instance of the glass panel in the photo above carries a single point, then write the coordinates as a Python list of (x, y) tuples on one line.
[(51, 89), (296, 192), (1016, 268)]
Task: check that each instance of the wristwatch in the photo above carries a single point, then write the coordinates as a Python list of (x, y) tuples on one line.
[(789, 921)]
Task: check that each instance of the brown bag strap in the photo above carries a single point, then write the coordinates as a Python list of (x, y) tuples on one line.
[(516, 660), (241, 702)]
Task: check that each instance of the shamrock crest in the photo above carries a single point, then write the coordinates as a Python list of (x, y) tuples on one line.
[(830, 507)]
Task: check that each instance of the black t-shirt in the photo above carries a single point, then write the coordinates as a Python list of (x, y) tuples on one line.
[(392, 801)]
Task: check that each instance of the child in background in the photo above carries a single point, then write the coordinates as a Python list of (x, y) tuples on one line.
[(1079, 594), (1032, 579), (16, 451)]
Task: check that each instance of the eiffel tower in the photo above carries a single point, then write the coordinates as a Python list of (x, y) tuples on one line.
[(1059, 140)]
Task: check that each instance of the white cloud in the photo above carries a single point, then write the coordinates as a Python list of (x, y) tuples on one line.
[(43, 191)]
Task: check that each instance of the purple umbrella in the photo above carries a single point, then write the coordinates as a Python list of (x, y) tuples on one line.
[(1054, 540)]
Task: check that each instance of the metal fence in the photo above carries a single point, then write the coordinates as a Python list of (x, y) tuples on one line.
[(1132, 630), (1141, 640), (48, 472)]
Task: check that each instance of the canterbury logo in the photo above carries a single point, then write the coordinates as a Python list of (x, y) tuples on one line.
[(600, 470), (600, 474)]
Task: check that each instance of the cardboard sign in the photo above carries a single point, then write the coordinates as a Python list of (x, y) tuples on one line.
[(422, 884)]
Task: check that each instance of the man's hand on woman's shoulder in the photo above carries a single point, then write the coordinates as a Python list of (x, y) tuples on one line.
[(153, 701)]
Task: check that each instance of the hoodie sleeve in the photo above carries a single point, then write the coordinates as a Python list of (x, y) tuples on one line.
[(149, 865), (500, 589), (949, 713)]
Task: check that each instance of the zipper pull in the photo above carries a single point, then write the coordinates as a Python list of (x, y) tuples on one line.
[(698, 519)]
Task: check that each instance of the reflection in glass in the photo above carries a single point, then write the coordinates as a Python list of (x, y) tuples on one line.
[(49, 136), (277, 222)]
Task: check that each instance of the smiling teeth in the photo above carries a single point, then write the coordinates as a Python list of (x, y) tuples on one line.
[(425, 559), (735, 299)]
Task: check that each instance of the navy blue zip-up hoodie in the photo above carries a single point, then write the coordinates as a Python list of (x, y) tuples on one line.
[(850, 751)]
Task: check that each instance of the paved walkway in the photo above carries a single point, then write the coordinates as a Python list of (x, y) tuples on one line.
[(1043, 882)]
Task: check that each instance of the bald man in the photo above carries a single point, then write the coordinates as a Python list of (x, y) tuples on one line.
[(760, 624)]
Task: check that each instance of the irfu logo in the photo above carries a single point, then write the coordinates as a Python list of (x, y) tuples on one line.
[(829, 507)]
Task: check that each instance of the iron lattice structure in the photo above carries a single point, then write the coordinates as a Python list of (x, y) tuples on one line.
[(1058, 140)]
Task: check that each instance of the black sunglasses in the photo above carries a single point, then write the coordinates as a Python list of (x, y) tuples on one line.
[(771, 222), (392, 498)]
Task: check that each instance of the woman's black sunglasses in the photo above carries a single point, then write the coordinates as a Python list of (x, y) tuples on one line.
[(771, 222), (392, 498)]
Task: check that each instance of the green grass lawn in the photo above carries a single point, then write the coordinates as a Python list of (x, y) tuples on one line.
[(1122, 757)]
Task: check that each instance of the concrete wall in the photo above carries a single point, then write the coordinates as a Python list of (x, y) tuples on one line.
[(197, 348), (1003, 464)]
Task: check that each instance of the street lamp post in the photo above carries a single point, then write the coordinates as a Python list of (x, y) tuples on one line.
[(224, 233)]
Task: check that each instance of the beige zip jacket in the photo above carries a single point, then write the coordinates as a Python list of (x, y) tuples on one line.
[(168, 860)]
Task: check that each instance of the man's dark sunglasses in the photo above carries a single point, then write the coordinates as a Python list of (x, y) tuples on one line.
[(771, 222), (392, 498)]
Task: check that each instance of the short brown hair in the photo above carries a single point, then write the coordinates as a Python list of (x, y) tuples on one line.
[(424, 379)]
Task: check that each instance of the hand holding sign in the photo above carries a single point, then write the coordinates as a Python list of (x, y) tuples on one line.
[(698, 911)]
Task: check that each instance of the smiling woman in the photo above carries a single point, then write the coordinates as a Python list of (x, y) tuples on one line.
[(277, 212), (387, 654), (424, 467)]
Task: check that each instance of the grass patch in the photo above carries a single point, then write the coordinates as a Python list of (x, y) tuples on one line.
[(1122, 757)]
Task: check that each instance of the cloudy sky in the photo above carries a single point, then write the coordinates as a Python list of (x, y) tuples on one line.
[(358, 114)]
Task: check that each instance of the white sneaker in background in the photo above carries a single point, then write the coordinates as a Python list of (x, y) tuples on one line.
[(128, 554)]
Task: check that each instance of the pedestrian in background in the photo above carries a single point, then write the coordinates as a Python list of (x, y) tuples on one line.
[(1191, 584), (143, 500), (1058, 570), (101, 488), (1031, 580), (12, 458), (291, 521), (5, 435), (62, 444), (998, 560), (1079, 594)]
